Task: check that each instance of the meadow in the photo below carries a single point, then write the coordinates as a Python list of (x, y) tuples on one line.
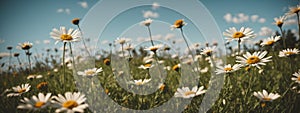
[(263, 77)]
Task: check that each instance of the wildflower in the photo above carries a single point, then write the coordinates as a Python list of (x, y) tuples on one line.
[(140, 81), (178, 24), (147, 22), (25, 45), (176, 67), (228, 68), (161, 86), (90, 72), (264, 96), (208, 51), (75, 21), (36, 102), (279, 21), (72, 102), (146, 66), (243, 34), (296, 77), (154, 48), (256, 59), (122, 40), (288, 52), (185, 92), (31, 77), (18, 90), (294, 10), (65, 36), (270, 41), (106, 61), (42, 86)]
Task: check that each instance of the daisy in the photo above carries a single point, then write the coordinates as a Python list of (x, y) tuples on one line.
[(145, 66), (90, 72), (176, 67), (140, 81), (36, 102), (208, 51), (256, 59), (72, 102), (288, 52), (279, 21), (122, 40), (65, 35), (75, 21), (228, 68), (25, 45), (128, 47), (161, 86), (178, 24), (243, 34), (106, 61), (270, 41), (185, 92), (18, 90), (293, 10), (296, 77), (265, 96), (147, 22), (154, 48)]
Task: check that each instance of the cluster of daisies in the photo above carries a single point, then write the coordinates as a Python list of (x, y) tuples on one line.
[(69, 102)]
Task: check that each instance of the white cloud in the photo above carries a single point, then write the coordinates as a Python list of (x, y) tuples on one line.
[(105, 42), (46, 41), (291, 22), (83, 4), (227, 17), (155, 5), (37, 42), (2, 41), (262, 20), (4, 54), (169, 36), (265, 31), (254, 18), (61, 10), (150, 14)]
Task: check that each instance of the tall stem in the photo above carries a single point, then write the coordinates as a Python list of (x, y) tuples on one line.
[(83, 41), (150, 35), (298, 23), (9, 63), (181, 30), (282, 35), (122, 47), (64, 65), (28, 55), (71, 52), (239, 46)]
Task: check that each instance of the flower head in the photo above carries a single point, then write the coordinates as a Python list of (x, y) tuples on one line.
[(288, 52), (75, 21), (294, 10), (178, 24), (65, 35), (255, 59), (71, 102), (106, 61), (146, 66), (296, 77), (154, 48), (25, 45), (18, 90), (122, 40), (140, 81), (208, 51), (185, 92), (176, 67), (270, 41), (243, 34), (228, 68), (90, 72), (36, 102), (147, 22), (265, 96), (279, 21)]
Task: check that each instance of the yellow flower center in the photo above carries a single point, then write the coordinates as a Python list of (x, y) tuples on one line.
[(106, 91), (208, 53), (90, 72), (70, 104), (238, 35), (253, 60), (106, 62), (153, 49), (263, 104), (162, 87), (66, 37), (122, 41), (298, 78), (295, 10), (289, 53), (266, 99), (178, 23), (39, 104), (176, 67), (189, 93), (279, 23), (22, 90), (147, 65), (139, 83), (228, 69), (270, 42)]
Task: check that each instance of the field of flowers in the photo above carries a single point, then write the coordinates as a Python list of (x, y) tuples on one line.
[(264, 77)]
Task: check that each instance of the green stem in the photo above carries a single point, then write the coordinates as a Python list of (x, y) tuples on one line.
[(282, 35), (150, 35), (298, 23), (64, 65), (83, 41), (28, 55), (71, 52), (239, 46)]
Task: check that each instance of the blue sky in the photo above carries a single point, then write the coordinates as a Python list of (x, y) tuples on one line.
[(33, 20)]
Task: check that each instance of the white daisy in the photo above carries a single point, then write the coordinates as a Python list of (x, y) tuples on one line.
[(178, 24), (288, 52), (71, 103), (208, 51), (18, 90), (293, 10), (146, 66), (25, 45), (65, 35), (122, 40), (90, 72), (243, 34), (30, 77), (256, 59), (228, 68), (185, 92), (140, 81), (296, 77), (154, 48), (36, 102), (147, 22), (264, 96), (270, 41), (279, 21)]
